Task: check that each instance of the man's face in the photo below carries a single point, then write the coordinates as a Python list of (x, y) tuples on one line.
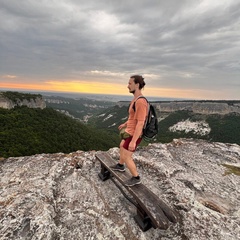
[(132, 85)]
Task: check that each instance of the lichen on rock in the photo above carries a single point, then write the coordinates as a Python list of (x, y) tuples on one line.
[(60, 196)]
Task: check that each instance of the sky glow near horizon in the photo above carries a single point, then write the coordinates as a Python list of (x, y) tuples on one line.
[(184, 49)]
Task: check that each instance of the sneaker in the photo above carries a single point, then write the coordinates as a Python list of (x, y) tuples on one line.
[(118, 168), (132, 181)]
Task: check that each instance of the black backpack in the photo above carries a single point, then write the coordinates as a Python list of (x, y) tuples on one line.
[(150, 128)]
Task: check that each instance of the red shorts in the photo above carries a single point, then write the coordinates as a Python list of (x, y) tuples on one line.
[(128, 140)]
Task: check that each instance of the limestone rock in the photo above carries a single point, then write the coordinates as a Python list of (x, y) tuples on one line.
[(37, 102), (202, 107), (60, 196), (199, 107)]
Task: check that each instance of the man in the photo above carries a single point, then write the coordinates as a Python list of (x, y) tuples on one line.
[(132, 130)]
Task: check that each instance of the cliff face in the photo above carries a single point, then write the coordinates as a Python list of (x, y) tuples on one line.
[(199, 107), (36, 102), (60, 196)]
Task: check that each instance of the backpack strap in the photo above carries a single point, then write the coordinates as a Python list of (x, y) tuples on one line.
[(134, 108)]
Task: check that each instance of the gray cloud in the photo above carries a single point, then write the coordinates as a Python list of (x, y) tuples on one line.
[(178, 44)]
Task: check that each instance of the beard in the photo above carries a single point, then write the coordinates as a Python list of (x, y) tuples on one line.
[(133, 91)]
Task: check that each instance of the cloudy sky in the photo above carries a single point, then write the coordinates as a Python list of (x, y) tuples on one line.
[(184, 49)]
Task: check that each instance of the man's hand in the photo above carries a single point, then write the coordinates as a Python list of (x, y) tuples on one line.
[(122, 126), (132, 146)]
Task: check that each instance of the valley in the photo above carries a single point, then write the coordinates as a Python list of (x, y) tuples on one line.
[(33, 124)]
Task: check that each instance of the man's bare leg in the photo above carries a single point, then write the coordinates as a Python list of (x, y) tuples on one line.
[(120, 165), (126, 156), (121, 161)]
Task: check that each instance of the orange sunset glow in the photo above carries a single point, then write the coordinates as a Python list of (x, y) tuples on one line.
[(70, 86), (100, 88)]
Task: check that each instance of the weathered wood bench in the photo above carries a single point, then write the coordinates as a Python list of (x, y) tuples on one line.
[(151, 211)]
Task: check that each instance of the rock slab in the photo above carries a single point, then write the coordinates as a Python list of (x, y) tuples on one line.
[(60, 196)]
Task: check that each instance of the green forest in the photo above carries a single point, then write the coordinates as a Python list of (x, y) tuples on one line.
[(17, 95), (27, 131), (224, 128)]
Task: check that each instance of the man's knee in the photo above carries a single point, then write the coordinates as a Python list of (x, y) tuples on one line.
[(126, 154), (121, 144)]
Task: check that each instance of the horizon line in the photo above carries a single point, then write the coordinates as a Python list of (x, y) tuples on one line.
[(122, 95)]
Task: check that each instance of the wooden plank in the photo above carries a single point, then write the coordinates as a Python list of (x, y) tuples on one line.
[(172, 215), (148, 201)]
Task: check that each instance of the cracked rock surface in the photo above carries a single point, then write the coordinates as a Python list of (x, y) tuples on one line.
[(60, 196)]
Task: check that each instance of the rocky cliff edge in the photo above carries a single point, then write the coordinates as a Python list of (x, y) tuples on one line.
[(60, 196), (36, 102)]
